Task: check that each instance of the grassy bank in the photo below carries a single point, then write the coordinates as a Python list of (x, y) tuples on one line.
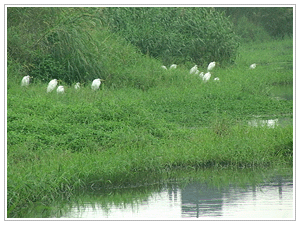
[(137, 193), (57, 144)]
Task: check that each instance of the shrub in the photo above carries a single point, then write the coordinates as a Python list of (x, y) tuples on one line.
[(54, 42), (277, 22), (251, 32), (72, 45), (197, 35)]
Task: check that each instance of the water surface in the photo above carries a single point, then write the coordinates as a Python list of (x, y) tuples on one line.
[(279, 92), (269, 200)]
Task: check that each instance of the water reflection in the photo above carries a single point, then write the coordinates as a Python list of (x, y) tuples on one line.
[(279, 92), (266, 202), (282, 92), (269, 123), (274, 200), (199, 200)]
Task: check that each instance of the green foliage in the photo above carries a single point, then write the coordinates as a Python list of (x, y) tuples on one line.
[(251, 32), (76, 44), (144, 120), (197, 35), (73, 46), (54, 42), (123, 64), (277, 22)]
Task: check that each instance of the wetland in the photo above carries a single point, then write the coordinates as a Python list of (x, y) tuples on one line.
[(150, 141)]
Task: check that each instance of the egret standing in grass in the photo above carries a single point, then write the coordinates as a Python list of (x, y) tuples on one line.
[(211, 66), (77, 86), (252, 66), (206, 77), (194, 69), (25, 81), (96, 84), (173, 66), (60, 90), (52, 84)]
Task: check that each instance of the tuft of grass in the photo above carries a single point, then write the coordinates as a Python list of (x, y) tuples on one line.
[(195, 35)]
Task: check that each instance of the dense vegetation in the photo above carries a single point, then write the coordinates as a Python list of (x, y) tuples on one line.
[(261, 23), (74, 44), (195, 35), (144, 120)]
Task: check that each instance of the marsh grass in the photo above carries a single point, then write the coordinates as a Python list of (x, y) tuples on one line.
[(162, 121), (192, 34), (136, 193)]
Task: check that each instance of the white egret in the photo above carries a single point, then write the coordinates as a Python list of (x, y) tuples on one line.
[(60, 90), (252, 66), (197, 72), (52, 84), (164, 67), (211, 66), (206, 77), (25, 81), (173, 66), (96, 84), (194, 69), (217, 79), (77, 85)]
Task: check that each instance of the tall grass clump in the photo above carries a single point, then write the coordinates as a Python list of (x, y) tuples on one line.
[(249, 32), (176, 35), (54, 42), (73, 45), (261, 24)]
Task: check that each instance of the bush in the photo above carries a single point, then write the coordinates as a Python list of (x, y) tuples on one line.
[(277, 22), (54, 42), (74, 46), (251, 32), (197, 35)]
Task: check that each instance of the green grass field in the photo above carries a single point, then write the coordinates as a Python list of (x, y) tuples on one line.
[(166, 120)]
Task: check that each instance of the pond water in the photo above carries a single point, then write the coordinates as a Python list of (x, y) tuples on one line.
[(271, 123), (270, 200), (282, 92), (206, 194), (279, 92)]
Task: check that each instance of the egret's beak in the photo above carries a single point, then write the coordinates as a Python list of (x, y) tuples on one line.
[(102, 80)]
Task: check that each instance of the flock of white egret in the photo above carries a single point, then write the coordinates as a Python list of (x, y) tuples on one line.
[(60, 89), (194, 70), (205, 77), (97, 82)]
